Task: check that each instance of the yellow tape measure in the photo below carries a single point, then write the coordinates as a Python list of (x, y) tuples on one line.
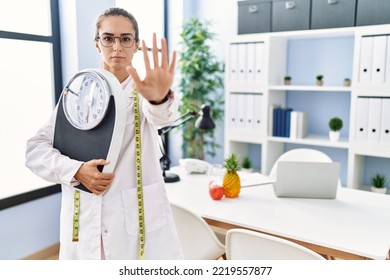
[(138, 171), (76, 216)]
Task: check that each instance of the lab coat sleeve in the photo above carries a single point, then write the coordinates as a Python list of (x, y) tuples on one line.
[(46, 161), (163, 114)]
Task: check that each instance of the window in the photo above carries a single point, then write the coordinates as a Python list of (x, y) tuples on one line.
[(30, 75)]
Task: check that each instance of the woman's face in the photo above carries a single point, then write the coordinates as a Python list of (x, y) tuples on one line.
[(116, 57)]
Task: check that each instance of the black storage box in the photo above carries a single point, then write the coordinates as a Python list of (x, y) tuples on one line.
[(332, 13), (254, 16), (290, 15)]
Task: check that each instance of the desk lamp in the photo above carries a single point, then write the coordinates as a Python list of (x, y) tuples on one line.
[(204, 121)]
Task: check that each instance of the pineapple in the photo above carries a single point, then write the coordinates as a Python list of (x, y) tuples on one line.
[(231, 180)]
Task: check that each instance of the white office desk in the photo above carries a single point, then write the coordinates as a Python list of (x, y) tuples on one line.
[(356, 225)]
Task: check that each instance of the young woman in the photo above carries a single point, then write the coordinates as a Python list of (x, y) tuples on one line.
[(108, 219)]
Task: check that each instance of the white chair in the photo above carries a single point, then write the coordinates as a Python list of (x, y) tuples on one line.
[(242, 244), (197, 239), (301, 155)]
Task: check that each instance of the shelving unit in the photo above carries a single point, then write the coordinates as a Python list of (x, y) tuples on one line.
[(335, 53)]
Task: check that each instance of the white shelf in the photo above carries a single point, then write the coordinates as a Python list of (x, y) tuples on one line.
[(370, 149), (242, 87), (245, 136), (310, 88), (313, 140), (381, 90)]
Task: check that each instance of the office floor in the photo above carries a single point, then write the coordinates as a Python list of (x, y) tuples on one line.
[(51, 253)]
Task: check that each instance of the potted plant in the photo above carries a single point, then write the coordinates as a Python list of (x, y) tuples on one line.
[(246, 164), (201, 82), (378, 183), (347, 82), (335, 125), (287, 80), (319, 81)]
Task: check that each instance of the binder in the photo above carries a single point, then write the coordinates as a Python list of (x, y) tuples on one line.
[(374, 119), (365, 65), (387, 74), (282, 121), (233, 62), (271, 120), (293, 124), (233, 121), (276, 121), (379, 59), (284, 128), (250, 62), (298, 124), (249, 112), (258, 112), (302, 125), (241, 62), (240, 110), (259, 63), (361, 127), (288, 122), (385, 121)]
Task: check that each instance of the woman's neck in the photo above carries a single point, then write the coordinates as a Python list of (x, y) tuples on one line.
[(120, 74)]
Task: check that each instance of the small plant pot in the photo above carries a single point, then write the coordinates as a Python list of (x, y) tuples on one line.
[(319, 82), (248, 170), (287, 82), (378, 190), (347, 83), (334, 136)]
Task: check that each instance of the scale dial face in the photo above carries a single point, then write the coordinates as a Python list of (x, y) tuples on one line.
[(86, 99)]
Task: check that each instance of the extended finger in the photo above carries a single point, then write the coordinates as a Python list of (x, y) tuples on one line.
[(173, 63), (146, 57), (155, 51), (164, 54)]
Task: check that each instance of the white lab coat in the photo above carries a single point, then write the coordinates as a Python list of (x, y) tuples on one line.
[(111, 220)]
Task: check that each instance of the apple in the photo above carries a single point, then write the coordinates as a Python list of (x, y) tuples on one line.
[(216, 191)]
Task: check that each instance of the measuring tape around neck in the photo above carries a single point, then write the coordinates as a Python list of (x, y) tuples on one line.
[(138, 173)]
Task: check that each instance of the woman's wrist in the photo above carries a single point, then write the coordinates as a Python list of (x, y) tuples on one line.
[(166, 98)]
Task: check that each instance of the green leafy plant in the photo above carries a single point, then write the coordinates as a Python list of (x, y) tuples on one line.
[(319, 77), (246, 163), (335, 124), (201, 82), (378, 180)]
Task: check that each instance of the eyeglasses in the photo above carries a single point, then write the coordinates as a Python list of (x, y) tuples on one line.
[(127, 41)]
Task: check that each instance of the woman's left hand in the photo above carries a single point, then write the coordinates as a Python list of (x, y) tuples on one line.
[(158, 79)]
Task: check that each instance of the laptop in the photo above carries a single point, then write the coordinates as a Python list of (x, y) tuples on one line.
[(300, 179)]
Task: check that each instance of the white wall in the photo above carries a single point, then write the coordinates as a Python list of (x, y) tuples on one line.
[(223, 16), (29, 227), (77, 27)]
